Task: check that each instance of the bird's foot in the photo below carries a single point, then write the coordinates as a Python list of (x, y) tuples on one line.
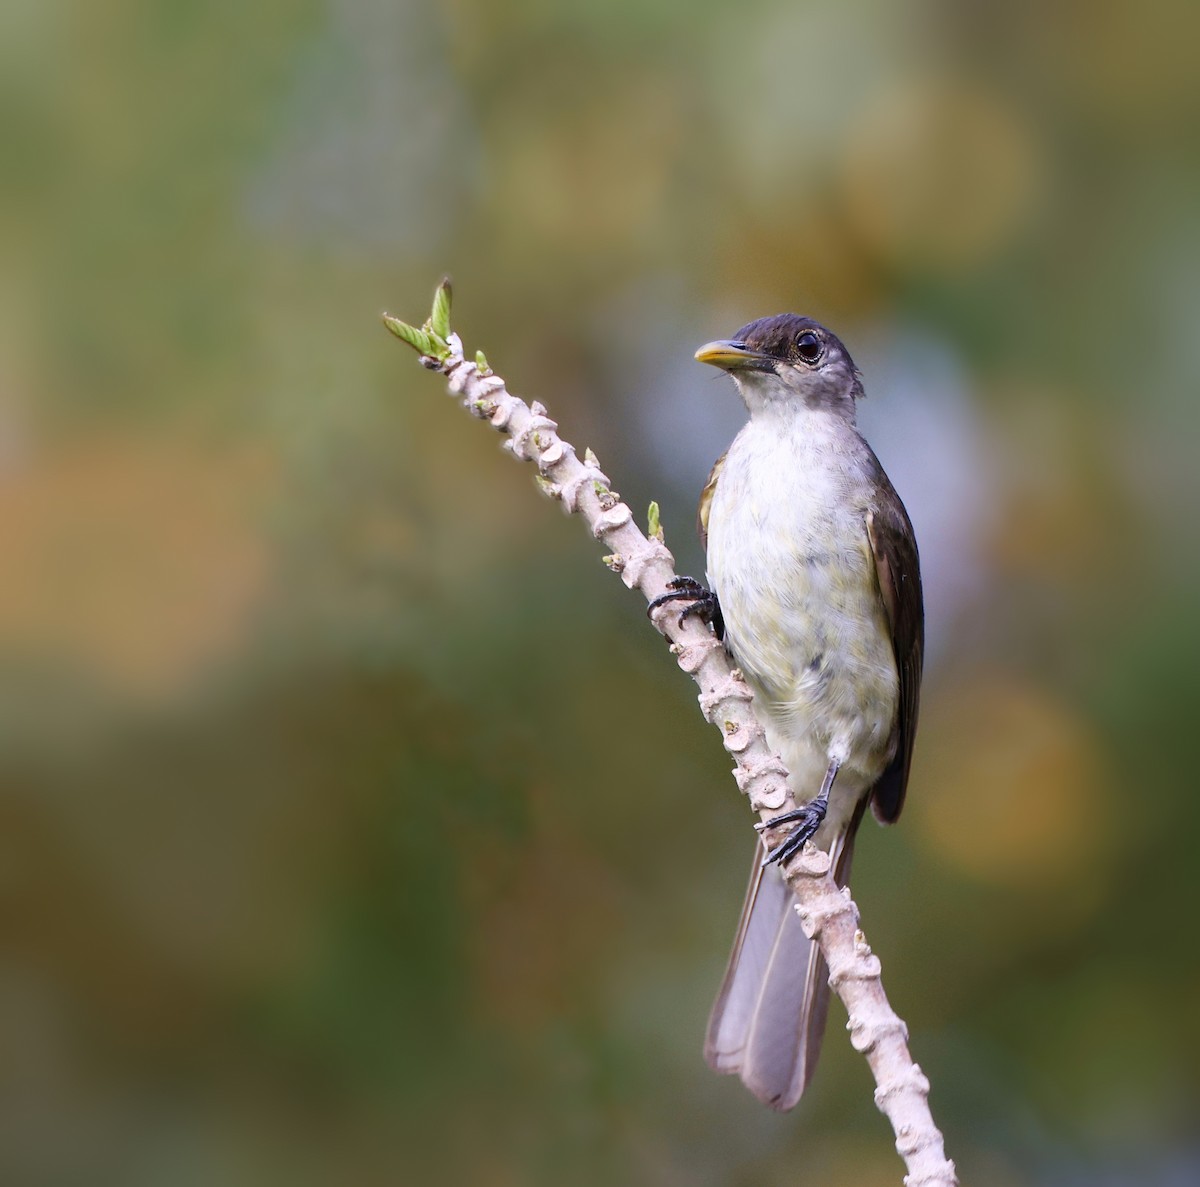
[(807, 820), (697, 599)]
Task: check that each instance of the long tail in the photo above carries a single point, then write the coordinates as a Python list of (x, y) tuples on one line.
[(769, 1016)]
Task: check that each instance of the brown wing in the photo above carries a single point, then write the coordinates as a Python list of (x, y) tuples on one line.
[(706, 498), (898, 570)]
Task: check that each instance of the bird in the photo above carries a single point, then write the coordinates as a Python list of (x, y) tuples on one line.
[(814, 587)]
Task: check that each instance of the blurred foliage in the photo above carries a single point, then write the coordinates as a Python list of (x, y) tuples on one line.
[(334, 761)]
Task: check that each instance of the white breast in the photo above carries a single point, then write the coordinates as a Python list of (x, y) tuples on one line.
[(790, 560)]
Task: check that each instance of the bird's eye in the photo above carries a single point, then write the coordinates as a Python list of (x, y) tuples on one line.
[(808, 346)]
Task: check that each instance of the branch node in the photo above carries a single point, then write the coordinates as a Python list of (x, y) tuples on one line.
[(738, 736), (864, 968), (911, 1140), (911, 1079), (490, 385), (727, 688), (745, 773), (691, 655), (644, 556), (554, 453), (504, 410), (458, 372), (767, 799), (943, 1174), (867, 1033), (616, 516), (816, 916), (815, 863), (587, 477), (605, 495), (529, 432)]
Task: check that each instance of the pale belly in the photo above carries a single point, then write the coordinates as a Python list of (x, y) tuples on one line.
[(790, 560)]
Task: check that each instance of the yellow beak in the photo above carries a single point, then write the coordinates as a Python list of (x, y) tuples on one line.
[(733, 356)]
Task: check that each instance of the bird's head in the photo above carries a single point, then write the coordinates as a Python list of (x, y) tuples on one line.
[(787, 361)]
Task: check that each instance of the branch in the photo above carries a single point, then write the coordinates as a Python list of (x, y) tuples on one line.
[(828, 914)]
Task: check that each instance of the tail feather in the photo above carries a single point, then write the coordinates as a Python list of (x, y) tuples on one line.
[(770, 1013)]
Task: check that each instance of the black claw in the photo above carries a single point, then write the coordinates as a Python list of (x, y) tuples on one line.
[(700, 601), (808, 820)]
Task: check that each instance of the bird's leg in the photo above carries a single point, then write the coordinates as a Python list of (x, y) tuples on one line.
[(808, 820), (699, 600)]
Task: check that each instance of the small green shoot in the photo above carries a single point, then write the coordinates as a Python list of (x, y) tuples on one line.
[(432, 338), (653, 523), (439, 318)]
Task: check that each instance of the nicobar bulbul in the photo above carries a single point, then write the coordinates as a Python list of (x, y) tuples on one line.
[(815, 587)]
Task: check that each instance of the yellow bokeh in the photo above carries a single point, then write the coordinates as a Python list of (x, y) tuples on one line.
[(136, 560), (937, 175), (1013, 783)]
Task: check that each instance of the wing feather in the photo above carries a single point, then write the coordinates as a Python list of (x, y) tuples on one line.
[(706, 498), (898, 571)]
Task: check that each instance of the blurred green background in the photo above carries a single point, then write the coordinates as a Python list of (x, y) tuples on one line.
[(335, 766)]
